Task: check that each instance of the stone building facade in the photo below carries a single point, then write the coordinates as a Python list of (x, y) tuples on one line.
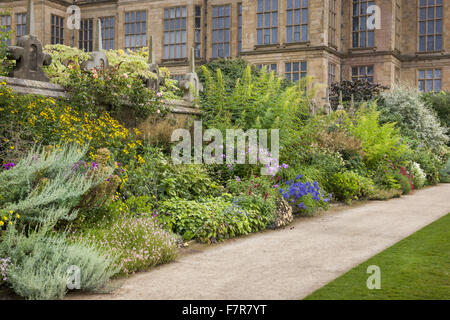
[(330, 40)]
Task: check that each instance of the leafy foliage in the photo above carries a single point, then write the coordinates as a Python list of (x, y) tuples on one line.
[(348, 186), (440, 103), (377, 140), (40, 263), (158, 177), (231, 69), (138, 243), (46, 186), (361, 90), (405, 107), (255, 102), (210, 220), (28, 120)]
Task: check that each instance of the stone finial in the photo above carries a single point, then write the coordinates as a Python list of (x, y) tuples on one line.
[(30, 59), (340, 106), (151, 54), (98, 41), (192, 61), (153, 83), (191, 84), (29, 26), (28, 53), (98, 58)]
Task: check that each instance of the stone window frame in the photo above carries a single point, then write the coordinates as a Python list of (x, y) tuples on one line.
[(363, 75), (198, 20), (239, 36), (303, 5), (215, 52), (133, 36), (86, 35), (397, 74), (177, 77), (6, 21), (361, 17), (177, 44), (57, 29), (269, 66), (108, 40), (426, 21), (264, 9), (302, 72), (332, 67), (21, 23), (425, 79), (332, 23)]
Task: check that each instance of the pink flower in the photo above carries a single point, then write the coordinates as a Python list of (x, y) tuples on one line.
[(129, 85), (158, 111), (95, 76), (159, 94), (125, 76)]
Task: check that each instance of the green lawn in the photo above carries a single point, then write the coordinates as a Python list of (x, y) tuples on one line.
[(417, 267)]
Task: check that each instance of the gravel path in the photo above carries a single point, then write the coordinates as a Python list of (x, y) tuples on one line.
[(289, 263)]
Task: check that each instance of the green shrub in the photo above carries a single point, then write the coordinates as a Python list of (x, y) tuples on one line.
[(404, 182), (440, 103), (40, 263), (29, 120), (232, 70), (255, 102), (210, 220), (405, 107), (361, 90), (5, 35), (137, 242), (419, 176), (429, 162), (348, 186), (445, 173), (378, 140), (47, 186), (160, 178)]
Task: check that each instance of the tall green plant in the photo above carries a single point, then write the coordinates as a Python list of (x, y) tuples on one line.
[(378, 140)]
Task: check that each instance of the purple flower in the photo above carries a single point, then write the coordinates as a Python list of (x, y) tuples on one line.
[(276, 186), (238, 179), (94, 165), (9, 165), (285, 165)]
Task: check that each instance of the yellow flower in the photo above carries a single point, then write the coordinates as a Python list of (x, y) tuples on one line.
[(1, 223), (10, 222), (18, 216), (5, 218), (11, 147), (11, 212)]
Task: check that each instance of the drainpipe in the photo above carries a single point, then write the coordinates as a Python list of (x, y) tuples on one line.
[(205, 39), (342, 40)]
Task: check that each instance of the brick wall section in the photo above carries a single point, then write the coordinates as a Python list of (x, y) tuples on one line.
[(316, 51)]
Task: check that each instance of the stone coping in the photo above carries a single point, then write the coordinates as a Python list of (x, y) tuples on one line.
[(182, 107), (25, 86)]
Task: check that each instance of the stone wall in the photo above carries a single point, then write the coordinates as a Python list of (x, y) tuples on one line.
[(316, 51)]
